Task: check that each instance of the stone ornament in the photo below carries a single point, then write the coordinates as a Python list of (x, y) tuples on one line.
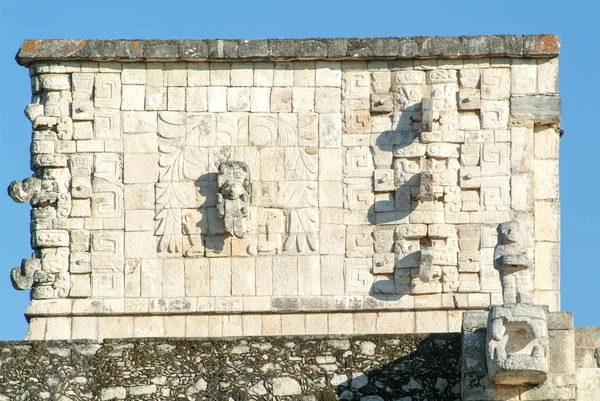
[(24, 191), (517, 335), (233, 197)]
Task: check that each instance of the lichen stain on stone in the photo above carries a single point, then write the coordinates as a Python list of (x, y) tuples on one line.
[(546, 44)]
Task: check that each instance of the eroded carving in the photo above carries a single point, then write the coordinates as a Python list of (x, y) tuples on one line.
[(233, 198), (517, 338)]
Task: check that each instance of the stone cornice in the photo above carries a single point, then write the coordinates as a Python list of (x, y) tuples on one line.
[(55, 50)]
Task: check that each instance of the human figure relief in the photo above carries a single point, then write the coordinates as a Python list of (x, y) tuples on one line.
[(233, 197)]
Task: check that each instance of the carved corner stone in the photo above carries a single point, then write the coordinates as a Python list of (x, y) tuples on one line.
[(233, 198), (517, 335), (517, 345), (24, 191), (22, 277)]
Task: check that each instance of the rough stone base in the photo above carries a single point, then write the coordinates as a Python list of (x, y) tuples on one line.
[(366, 368)]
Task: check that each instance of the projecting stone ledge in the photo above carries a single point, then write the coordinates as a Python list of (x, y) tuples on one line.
[(547, 45)]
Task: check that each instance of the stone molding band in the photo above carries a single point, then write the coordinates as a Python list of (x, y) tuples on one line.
[(544, 45)]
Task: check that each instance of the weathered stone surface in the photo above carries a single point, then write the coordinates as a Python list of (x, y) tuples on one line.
[(465, 46), (544, 109), (382, 367)]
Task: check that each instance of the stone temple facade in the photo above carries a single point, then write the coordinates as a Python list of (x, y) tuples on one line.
[(309, 211)]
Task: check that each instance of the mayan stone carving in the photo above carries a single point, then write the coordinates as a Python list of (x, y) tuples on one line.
[(265, 188), (517, 332), (233, 197)]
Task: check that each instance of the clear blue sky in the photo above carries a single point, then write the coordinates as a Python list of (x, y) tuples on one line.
[(575, 21)]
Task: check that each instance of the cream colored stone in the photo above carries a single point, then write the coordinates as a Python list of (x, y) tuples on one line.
[(83, 328), (115, 327), (138, 196), (140, 244), (341, 323), (175, 98), (293, 324), (332, 237), (134, 74), (151, 278), (242, 74), (547, 266), (304, 73), (252, 325), (331, 194), (238, 99), (139, 220), (309, 275), (196, 99), (173, 278), (133, 97), (220, 277), (217, 99), (546, 143), (197, 277), (271, 325), (395, 322), (140, 168), (327, 100), (156, 98), (328, 74), (283, 74), (545, 179), (281, 100), (523, 77), (330, 130), (232, 326), (139, 121), (547, 76), (175, 326), (263, 74), (243, 272), (198, 74), (432, 322), (260, 100), (148, 326), (547, 221), (196, 326), (316, 324), (285, 275), (330, 164), (175, 74), (303, 99)]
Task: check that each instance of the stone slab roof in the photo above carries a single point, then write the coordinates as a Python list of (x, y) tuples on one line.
[(547, 45)]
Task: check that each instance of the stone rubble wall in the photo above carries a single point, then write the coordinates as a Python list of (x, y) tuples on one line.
[(367, 368), (127, 234)]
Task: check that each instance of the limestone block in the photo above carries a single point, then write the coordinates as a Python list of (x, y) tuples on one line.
[(148, 326), (198, 74), (303, 99), (330, 130), (395, 322), (134, 74), (547, 221), (547, 76), (175, 98), (260, 100), (332, 237), (304, 74), (495, 84), (242, 74), (431, 322), (285, 275), (83, 328), (521, 192), (238, 99), (138, 196), (156, 98), (546, 143), (196, 99), (494, 114), (220, 277), (139, 121), (544, 109), (175, 74), (293, 324), (115, 327), (332, 273), (328, 73), (107, 91), (316, 324), (523, 77), (217, 99), (242, 277), (133, 97), (547, 266), (281, 100), (263, 74), (283, 74), (327, 100), (173, 278), (341, 323), (140, 168), (151, 278), (545, 179)]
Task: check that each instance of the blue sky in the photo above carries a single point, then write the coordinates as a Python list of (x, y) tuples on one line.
[(575, 21)]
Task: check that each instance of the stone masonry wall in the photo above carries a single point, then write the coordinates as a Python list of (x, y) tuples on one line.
[(368, 368), (126, 225)]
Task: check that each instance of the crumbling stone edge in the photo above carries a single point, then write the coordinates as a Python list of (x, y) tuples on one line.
[(543, 45)]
